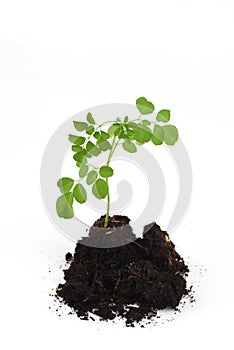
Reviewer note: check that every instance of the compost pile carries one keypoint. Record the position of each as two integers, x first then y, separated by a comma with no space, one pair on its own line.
131,281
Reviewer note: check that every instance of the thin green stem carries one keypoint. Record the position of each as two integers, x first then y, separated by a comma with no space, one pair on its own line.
108,206
113,147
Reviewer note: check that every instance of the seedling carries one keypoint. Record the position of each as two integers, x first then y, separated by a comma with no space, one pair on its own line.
92,139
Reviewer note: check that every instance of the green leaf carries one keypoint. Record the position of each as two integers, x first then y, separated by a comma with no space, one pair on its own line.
130,127
144,106
129,146
90,129
146,122
80,126
76,148
158,135
79,156
65,184
163,116
170,134
96,135
130,134
90,118
89,146
94,151
113,128
80,194
83,170
104,146
126,119
91,177
106,171
64,206
142,134
117,131
102,143
105,136
120,133
78,140
100,189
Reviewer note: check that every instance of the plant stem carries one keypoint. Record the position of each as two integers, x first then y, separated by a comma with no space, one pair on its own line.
112,150
108,206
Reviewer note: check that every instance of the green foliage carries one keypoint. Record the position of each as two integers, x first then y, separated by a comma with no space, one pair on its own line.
100,189
78,140
93,139
90,119
170,134
158,134
76,148
142,133
79,156
163,116
80,126
90,130
129,146
106,171
91,177
65,184
146,122
80,194
89,146
144,106
83,170
113,128
64,206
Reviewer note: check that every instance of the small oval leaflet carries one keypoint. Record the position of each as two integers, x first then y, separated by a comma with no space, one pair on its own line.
142,134
76,148
96,134
105,135
100,189
104,146
163,115
170,134
80,194
106,171
129,146
83,170
89,146
64,206
65,184
91,177
113,128
95,151
157,137
146,122
80,126
78,156
90,118
78,140
144,106
90,130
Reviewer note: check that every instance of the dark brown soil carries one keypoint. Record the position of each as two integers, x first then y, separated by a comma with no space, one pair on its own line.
131,281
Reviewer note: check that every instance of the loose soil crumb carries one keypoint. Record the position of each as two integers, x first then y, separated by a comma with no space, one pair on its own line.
131,281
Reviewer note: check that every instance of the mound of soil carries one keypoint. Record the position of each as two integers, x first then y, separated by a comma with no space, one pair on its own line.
131,281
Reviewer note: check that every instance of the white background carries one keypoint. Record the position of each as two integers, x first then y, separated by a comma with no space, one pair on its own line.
59,57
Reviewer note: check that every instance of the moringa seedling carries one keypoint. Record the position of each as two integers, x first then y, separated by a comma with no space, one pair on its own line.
92,139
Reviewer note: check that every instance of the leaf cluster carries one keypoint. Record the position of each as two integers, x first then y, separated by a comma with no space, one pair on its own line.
93,139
